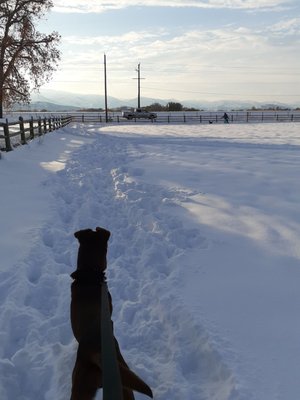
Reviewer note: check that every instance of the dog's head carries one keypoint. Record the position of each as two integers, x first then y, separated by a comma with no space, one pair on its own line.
92,248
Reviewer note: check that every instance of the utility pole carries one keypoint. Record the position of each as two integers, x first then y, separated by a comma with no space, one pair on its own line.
105,90
138,70
139,85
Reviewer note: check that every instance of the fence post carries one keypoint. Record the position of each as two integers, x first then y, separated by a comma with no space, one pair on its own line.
40,126
50,125
22,130
6,136
45,124
31,130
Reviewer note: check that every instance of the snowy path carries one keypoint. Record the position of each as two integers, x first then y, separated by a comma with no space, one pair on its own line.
158,336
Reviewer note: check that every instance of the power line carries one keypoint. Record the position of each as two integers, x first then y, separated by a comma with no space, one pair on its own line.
222,94
189,66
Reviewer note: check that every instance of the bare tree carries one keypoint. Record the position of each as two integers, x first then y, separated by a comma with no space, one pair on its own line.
27,57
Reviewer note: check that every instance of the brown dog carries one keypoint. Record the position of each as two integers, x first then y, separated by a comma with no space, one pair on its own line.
86,320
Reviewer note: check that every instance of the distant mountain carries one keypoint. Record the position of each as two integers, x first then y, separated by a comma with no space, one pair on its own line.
44,106
54,100
230,105
88,100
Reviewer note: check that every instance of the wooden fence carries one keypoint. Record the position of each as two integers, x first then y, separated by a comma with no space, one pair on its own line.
20,132
24,130
237,117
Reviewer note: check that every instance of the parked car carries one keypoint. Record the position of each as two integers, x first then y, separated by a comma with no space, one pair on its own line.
139,113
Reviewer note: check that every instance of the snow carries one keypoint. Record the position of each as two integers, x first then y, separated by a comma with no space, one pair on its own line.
203,262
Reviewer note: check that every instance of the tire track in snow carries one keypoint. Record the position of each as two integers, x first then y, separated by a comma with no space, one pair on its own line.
158,337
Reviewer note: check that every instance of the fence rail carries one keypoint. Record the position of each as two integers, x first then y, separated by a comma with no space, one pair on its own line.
20,132
196,117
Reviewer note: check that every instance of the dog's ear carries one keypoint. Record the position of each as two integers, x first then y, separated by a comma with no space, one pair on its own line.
80,234
105,234
89,233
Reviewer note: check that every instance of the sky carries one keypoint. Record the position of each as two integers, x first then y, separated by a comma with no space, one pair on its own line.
187,49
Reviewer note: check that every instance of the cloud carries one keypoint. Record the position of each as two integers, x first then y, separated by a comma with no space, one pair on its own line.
98,6
228,58
288,27
190,50
128,38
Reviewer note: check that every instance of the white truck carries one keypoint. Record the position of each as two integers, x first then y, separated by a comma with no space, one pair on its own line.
139,113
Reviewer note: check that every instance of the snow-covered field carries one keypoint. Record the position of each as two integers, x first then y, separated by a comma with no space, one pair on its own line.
203,259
